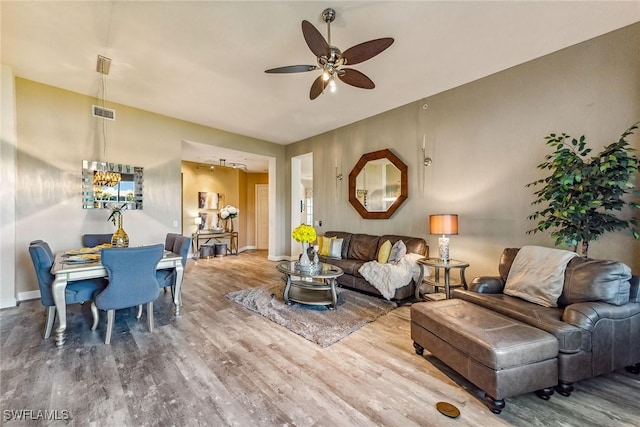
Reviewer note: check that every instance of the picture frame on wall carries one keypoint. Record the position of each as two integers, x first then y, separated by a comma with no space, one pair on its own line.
209,221
209,200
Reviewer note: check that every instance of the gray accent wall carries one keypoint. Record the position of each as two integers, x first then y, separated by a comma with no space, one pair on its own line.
486,139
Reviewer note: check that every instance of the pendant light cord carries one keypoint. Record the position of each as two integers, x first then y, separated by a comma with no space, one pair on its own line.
104,122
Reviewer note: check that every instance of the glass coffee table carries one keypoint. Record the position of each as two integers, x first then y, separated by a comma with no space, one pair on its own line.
310,288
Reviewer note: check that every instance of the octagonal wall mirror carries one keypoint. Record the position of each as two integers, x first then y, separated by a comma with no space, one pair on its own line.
378,185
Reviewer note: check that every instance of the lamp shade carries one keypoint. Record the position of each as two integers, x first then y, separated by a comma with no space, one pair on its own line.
197,220
443,224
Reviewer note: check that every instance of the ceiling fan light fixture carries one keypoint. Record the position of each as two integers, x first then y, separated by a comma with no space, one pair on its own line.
332,85
332,60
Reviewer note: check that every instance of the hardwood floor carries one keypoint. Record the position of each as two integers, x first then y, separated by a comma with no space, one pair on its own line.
219,364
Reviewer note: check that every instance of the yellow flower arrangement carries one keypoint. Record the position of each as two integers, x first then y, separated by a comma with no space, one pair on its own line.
304,233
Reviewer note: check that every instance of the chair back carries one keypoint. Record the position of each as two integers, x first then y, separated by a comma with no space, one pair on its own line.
91,240
181,247
132,276
170,240
42,258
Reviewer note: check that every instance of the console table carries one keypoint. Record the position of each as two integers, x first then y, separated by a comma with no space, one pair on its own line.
206,236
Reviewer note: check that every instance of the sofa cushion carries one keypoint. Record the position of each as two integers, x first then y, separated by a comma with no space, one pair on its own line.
348,266
590,280
346,238
571,339
363,247
506,259
325,245
414,245
335,249
537,274
383,252
398,250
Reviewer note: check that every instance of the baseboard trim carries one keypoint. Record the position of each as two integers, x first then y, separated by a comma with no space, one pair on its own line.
25,296
8,303
279,258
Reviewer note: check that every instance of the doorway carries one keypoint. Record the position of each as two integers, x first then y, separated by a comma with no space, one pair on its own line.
301,195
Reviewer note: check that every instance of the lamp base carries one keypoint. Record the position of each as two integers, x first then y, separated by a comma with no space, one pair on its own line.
443,248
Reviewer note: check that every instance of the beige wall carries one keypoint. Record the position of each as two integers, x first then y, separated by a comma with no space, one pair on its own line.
8,143
55,132
196,178
238,188
486,139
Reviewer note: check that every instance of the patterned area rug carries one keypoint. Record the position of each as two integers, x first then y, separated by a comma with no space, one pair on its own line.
315,323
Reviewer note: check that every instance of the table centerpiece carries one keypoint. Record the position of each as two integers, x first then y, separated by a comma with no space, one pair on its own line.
305,234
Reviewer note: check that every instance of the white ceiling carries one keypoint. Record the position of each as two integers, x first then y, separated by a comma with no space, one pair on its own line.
204,61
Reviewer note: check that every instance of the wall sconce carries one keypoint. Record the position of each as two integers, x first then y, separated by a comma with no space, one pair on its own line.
338,179
426,161
443,224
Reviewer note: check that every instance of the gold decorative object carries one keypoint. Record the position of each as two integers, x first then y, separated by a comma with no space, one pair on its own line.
108,179
120,239
228,225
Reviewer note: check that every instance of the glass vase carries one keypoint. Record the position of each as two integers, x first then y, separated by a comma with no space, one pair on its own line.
120,239
228,225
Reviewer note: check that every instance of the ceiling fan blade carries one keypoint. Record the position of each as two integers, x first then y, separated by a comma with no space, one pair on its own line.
317,87
355,78
314,39
292,69
367,50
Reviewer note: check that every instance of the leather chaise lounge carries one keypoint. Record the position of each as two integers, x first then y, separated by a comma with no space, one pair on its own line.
596,323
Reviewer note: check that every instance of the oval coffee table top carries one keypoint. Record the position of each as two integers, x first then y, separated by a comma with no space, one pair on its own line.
327,270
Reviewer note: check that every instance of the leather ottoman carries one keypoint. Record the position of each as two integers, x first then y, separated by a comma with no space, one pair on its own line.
501,356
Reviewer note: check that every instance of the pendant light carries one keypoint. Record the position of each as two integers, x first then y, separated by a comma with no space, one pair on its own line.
104,178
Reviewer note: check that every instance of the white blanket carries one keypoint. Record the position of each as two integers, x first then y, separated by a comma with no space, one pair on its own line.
386,278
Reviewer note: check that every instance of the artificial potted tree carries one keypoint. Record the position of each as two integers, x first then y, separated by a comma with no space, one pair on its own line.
583,196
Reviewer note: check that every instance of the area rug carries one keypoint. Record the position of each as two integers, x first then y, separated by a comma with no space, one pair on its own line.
315,323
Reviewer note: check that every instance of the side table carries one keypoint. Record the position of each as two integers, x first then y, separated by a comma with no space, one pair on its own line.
438,265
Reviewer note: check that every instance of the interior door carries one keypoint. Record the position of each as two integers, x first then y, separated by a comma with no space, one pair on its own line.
262,216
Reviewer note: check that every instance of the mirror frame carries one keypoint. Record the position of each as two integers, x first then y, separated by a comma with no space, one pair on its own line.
404,186
89,167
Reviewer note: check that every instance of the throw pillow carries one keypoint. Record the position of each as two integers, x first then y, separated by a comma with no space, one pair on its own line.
335,250
398,250
325,245
383,252
537,275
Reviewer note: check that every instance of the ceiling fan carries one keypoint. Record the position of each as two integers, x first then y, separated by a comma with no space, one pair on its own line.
332,61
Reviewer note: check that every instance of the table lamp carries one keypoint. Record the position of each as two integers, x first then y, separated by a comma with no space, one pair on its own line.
443,224
197,221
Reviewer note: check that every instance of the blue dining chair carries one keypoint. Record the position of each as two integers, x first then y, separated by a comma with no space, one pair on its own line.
132,282
167,277
91,240
77,291
170,240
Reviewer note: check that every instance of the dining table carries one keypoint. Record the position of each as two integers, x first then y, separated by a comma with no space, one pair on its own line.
66,271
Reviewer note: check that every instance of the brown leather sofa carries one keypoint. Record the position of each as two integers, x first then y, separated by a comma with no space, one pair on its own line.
360,248
596,323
